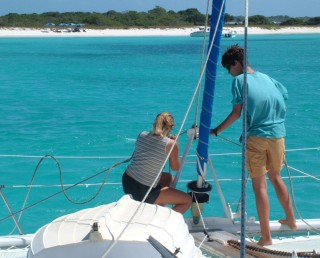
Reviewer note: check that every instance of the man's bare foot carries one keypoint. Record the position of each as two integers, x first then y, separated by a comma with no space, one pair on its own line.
263,242
291,224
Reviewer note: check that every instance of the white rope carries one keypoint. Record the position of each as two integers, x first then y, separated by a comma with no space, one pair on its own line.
202,220
179,132
199,167
201,217
201,243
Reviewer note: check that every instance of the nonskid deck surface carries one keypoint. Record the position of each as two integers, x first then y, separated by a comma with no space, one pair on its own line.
14,253
224,244
298,244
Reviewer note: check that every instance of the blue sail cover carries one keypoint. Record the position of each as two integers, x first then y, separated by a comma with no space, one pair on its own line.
211,71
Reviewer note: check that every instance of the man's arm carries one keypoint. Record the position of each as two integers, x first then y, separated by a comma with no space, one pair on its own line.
231,118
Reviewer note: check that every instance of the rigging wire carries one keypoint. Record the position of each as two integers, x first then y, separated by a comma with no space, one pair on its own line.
290,180
316,177
313,229
304,173
69,186
125,157
228,140
63,188
244,135
202,66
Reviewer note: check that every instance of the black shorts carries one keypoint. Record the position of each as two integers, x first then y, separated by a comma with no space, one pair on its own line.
138,190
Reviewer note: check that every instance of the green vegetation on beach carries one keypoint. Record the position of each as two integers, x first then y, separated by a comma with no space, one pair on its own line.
157,17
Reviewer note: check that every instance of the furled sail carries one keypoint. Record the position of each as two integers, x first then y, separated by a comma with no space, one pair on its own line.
216,26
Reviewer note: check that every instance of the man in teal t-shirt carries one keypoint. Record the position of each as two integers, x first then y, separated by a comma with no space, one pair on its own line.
266,111
265,104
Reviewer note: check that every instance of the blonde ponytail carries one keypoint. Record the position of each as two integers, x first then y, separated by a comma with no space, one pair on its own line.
163,124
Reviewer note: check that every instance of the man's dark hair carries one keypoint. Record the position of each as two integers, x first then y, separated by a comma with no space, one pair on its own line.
232,53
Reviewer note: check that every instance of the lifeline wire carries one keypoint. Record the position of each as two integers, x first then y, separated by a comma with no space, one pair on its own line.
24,207
294,202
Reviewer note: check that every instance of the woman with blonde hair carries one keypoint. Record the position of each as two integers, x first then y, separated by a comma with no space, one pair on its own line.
150,153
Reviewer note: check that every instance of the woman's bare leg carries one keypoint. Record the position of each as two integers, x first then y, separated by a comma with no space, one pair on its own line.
179,199
166,179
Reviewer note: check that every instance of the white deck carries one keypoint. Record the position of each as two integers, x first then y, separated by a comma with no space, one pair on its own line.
79,227
73,235
297,244
14,253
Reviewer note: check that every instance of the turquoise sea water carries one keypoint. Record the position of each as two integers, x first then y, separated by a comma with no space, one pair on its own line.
82,99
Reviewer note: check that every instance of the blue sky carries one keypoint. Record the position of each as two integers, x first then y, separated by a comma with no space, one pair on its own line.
293,8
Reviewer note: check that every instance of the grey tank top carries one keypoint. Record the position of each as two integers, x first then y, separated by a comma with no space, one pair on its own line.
148,158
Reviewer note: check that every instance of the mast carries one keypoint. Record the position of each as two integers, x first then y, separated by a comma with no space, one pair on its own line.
216,26
200,189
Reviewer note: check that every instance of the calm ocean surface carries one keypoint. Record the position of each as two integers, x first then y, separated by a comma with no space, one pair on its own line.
79,99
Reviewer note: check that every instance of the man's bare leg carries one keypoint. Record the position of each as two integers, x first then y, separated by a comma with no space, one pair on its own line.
284,198
263,207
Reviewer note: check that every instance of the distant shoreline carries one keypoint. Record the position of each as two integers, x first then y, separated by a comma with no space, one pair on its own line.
134,32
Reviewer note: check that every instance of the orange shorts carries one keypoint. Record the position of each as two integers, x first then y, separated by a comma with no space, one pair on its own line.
264,154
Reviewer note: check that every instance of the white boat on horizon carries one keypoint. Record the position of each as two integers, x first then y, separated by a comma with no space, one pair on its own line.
201,32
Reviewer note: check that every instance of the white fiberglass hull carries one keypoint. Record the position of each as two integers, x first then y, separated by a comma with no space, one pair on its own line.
115,233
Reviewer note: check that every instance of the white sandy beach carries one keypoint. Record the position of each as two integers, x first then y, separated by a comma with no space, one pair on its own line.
46,32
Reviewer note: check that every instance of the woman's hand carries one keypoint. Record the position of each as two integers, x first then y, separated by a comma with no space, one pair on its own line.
173,136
